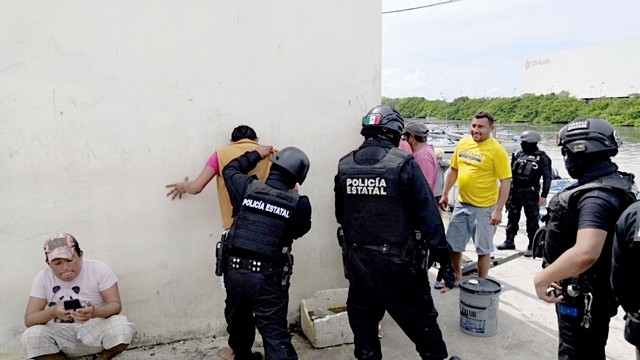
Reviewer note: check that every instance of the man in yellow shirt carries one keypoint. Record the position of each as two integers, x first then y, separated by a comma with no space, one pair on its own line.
483,171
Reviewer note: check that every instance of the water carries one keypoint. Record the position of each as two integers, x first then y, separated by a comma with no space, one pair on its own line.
627,158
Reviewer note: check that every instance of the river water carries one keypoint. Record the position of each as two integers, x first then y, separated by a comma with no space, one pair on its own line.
628,158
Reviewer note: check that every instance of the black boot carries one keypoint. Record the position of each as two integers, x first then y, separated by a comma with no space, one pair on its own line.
529,252
508,244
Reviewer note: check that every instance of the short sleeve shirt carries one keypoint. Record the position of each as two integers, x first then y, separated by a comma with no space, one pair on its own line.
480,165
95,276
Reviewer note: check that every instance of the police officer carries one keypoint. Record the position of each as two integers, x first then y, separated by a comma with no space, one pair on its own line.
579,236
527,167
268,216
387,212
624,271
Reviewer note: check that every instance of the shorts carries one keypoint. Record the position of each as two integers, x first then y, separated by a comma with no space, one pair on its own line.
468,221
77,340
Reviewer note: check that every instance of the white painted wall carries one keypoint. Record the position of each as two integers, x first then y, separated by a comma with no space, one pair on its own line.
104,103
606,70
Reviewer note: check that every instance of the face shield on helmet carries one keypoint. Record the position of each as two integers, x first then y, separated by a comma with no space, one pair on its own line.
294,161
588,137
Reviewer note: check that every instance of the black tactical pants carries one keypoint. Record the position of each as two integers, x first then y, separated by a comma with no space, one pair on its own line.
526,198
257,299
577,342
378,282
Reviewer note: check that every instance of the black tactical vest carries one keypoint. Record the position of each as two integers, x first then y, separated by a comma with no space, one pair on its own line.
374,212
525,169
562,228
259,225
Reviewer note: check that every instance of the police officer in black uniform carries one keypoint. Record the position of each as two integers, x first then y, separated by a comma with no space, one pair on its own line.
624,274
579,236
388,213
527,167
268,216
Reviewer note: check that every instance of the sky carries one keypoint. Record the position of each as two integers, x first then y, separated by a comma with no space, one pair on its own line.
477,48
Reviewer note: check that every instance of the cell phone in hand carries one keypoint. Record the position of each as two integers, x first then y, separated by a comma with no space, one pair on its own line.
72,304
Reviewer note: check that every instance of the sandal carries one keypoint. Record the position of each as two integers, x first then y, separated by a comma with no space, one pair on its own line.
441,285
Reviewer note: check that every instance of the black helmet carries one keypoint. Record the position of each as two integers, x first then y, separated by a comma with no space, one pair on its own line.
588,136
294,161
384,118
530,136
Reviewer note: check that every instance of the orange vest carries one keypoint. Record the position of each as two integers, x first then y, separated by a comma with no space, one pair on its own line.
225,155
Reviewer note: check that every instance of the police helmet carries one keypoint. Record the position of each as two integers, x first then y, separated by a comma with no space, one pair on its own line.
294,161
530,136
384,118
588,136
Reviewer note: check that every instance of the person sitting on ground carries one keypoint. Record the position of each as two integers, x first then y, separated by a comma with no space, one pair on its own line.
56,327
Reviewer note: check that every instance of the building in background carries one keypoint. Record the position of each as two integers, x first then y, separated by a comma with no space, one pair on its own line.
606,70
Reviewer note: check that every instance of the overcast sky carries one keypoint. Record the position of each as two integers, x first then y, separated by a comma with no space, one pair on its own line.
477,48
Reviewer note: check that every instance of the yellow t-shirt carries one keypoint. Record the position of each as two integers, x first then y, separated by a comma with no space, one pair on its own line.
480,166
225,155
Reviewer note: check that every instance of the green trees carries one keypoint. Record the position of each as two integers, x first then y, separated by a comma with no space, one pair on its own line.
537,109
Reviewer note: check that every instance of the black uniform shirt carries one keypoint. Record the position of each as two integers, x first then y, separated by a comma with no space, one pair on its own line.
626,259
237,182
415,193
545,171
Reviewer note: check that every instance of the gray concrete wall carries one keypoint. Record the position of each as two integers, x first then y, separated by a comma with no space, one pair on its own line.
104,103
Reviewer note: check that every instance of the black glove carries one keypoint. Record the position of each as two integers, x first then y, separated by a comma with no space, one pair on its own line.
632,328
447,274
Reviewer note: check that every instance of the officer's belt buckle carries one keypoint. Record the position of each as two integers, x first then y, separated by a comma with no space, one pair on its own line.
384,248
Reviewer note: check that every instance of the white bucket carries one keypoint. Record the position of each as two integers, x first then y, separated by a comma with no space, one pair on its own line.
479,299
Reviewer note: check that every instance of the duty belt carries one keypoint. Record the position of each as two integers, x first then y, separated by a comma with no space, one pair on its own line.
253,265
524,188
391,249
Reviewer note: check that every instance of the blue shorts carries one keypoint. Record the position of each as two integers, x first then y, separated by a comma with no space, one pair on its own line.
468,221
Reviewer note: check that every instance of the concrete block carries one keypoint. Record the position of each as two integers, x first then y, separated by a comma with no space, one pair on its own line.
321,329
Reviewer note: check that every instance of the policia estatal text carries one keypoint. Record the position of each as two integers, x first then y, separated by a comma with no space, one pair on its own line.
256,259
389,216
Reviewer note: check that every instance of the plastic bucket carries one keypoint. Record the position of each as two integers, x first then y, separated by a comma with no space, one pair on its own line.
479,299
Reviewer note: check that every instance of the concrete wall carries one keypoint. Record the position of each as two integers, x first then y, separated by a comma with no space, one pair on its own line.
606,70
104,103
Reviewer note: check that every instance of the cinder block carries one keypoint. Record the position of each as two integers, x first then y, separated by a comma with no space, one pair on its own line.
332,329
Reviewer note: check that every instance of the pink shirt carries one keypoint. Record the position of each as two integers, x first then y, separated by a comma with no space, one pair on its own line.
426,159
213,163
404,145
